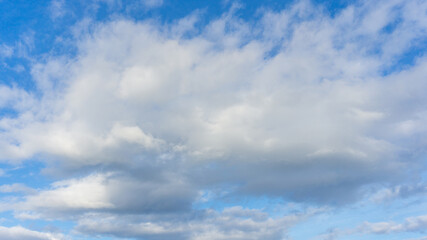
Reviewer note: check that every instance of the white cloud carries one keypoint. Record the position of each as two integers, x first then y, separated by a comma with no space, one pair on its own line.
20,233
132,134
144,118
15,98
316,117
416,224
412,224
5,51
16,187
57,9
88,193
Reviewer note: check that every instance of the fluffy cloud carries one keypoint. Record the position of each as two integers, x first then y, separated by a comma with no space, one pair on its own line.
319,104
108,192
113,204
300,106
316,117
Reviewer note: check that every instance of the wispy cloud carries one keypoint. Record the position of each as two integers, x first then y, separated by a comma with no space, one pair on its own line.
20,233
412,224
57,9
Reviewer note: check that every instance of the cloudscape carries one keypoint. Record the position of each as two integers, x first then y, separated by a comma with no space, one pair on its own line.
213,120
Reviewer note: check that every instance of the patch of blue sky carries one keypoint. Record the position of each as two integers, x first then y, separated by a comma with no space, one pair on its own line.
15,73
275,206
171,10
23,17
8,113
333,7
28,24
28,174
7,219
27,29
352,216
389,28
409,58
42,225
34,19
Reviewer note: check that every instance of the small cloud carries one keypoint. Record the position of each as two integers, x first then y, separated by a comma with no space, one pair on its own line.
56,9
16,187
411,224
152,3
400,191
6,51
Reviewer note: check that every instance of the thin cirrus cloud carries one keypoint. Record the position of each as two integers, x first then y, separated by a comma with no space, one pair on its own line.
299,106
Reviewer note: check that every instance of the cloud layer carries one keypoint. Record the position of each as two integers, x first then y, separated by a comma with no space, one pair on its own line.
300,106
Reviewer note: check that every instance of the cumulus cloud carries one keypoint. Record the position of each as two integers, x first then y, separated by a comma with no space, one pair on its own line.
300,106
112,204
316,117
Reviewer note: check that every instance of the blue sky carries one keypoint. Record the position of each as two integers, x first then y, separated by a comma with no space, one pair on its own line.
210,120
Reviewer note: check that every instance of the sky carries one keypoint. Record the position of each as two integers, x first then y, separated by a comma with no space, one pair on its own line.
213,120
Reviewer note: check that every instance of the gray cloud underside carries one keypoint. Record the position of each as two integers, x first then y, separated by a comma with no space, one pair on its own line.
233,223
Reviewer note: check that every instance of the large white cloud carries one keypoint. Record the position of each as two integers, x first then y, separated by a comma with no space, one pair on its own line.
318,114
301,105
